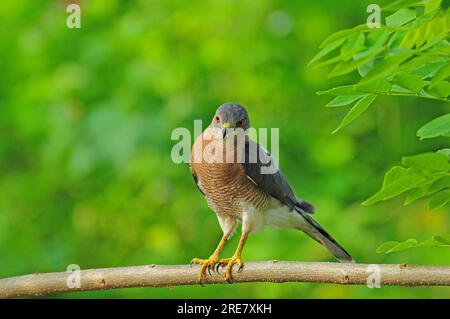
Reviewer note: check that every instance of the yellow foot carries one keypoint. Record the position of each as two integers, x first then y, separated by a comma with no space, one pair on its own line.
206,264
229,262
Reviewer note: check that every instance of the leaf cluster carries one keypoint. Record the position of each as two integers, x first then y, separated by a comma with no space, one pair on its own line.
408,56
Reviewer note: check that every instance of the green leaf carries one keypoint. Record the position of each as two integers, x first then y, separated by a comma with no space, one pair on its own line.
396,181
429,69
401,17
398,89
407,244
442,240
431,5
343,100
431,186
384,247
439,200
341,90
332,60
438,127
365,68
354,44
387,66
429,161
395,246
395,5
434,42
351,65
342,34
439,27
425,18
326,50
396,39
346,67
409,40
440,89
419,192
356,111
375,87
413,83
445,151
377,37
440,183
371,52
416,64
430,242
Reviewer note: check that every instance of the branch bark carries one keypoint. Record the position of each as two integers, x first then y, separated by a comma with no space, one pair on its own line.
263,271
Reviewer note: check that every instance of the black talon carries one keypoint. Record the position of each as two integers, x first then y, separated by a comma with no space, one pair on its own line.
217,267
209,269
240,269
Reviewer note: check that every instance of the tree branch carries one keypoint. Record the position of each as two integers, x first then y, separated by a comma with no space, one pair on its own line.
263,271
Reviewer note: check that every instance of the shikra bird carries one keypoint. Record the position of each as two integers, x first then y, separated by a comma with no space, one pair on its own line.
242,183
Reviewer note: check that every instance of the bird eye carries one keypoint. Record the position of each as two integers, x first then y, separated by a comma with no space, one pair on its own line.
240,122
217,118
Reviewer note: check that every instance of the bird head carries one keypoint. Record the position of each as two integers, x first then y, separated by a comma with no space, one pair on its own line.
231,116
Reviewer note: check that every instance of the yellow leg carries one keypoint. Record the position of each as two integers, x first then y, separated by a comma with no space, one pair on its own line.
236,259
208,264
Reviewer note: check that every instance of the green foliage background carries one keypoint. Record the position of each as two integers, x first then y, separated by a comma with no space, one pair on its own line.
86,116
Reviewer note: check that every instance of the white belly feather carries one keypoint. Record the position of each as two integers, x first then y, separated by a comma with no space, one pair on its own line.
277,215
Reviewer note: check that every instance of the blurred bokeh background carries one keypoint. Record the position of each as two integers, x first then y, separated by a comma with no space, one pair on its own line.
86,117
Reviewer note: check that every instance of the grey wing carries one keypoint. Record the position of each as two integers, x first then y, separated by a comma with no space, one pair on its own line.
194,175
262,170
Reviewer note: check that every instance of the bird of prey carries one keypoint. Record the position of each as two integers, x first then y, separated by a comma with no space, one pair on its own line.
238,189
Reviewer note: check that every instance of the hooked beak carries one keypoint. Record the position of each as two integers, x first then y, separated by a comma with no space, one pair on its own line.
225,126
